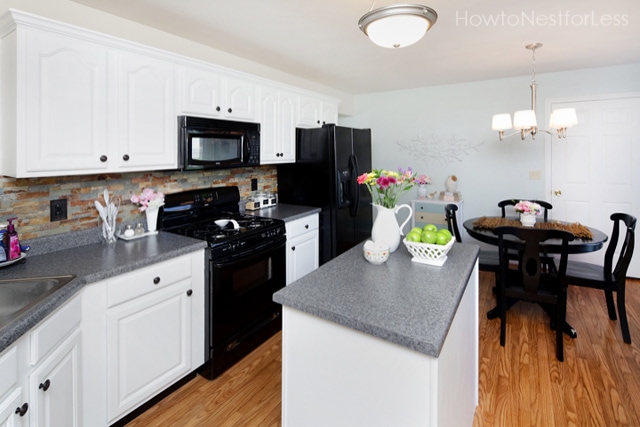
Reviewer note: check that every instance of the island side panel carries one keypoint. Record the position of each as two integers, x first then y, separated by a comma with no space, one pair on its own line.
458,368
336,376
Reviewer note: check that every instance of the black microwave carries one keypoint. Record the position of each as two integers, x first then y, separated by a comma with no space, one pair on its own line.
217,144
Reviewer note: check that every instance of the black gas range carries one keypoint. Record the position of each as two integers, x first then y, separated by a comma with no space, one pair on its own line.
245,266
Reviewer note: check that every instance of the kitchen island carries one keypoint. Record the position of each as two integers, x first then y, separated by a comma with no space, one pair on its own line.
382,345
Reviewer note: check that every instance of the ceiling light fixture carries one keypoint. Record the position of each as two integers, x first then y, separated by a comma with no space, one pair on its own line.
525,123
398,25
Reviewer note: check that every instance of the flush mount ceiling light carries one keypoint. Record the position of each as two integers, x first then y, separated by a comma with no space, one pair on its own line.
525,123
398,25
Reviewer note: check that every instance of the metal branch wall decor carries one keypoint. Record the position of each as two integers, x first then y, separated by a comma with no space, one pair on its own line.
441,149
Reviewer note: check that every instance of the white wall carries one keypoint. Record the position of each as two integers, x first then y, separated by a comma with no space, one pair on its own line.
494,170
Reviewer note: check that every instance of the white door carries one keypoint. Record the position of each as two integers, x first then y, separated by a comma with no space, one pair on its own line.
595,171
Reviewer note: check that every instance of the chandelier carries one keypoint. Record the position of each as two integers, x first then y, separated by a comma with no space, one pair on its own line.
398,25
524,121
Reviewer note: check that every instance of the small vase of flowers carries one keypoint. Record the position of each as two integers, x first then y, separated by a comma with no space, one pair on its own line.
528,212
422,181
150,202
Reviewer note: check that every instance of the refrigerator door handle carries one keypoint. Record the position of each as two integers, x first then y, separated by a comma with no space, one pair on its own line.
355,191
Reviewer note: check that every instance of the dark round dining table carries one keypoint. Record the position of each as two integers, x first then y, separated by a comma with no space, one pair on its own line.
551,246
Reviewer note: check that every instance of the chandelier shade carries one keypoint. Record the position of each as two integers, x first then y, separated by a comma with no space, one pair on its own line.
525,122
398,25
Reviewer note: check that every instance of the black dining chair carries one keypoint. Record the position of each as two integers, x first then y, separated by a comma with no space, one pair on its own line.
548,260
487,260
546,206
531,281
609,277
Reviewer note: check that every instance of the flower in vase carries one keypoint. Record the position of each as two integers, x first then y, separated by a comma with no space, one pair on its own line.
386,187
526,207
148,199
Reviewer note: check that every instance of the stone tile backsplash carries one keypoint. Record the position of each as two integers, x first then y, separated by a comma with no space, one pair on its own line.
28,198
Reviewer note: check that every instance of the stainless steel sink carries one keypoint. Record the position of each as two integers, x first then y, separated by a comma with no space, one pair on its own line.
19,295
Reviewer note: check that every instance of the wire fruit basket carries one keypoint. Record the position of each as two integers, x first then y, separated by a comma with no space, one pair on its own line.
427,253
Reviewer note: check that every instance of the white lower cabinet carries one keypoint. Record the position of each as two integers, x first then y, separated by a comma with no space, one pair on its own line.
40,382
145,332
302,247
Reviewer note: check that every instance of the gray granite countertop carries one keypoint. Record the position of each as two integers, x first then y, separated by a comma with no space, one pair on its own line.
285,212
400,301
90,262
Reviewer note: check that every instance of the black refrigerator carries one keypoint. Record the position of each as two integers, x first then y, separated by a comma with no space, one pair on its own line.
328,162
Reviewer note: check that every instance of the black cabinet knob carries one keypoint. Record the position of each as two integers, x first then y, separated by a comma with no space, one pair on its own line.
293,248
103,158
306,226
229,110
125,157
21,410
189,292
217,108
45,385
156,280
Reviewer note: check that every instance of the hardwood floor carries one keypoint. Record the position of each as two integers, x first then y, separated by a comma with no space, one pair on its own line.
521,384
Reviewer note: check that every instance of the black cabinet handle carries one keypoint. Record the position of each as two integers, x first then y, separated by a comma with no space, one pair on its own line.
189,292
156,280
306,226
229,110
103,158
293,248
217,108
21,410
45,385
125,157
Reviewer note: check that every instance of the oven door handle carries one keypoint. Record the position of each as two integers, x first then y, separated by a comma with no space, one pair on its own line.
254,256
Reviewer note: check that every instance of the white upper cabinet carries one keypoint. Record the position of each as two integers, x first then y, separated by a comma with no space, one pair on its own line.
208,93
146,113
77,102
278,117
72,105
55,104
315,112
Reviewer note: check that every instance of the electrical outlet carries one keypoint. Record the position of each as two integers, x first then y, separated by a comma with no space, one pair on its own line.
254,184
535,174
58,210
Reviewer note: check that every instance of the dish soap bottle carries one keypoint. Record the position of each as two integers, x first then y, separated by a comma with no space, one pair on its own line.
10,241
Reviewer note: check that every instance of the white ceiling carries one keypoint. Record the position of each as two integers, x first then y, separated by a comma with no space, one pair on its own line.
319,40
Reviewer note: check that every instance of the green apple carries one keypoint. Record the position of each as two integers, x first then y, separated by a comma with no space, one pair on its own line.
414,236
418,229
430,227
445,231
442,239
429,236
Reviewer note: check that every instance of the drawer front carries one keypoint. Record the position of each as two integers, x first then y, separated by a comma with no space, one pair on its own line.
423,218
301,225
8,370
148,279
49,333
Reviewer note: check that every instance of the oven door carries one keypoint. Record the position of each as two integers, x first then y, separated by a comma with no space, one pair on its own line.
241,312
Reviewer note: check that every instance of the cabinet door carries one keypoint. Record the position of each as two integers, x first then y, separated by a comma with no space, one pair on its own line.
148,346
201,92
302,256
8,415
329,113
288,117
310,112
269,147
239,99
146,113
54,387
65,124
